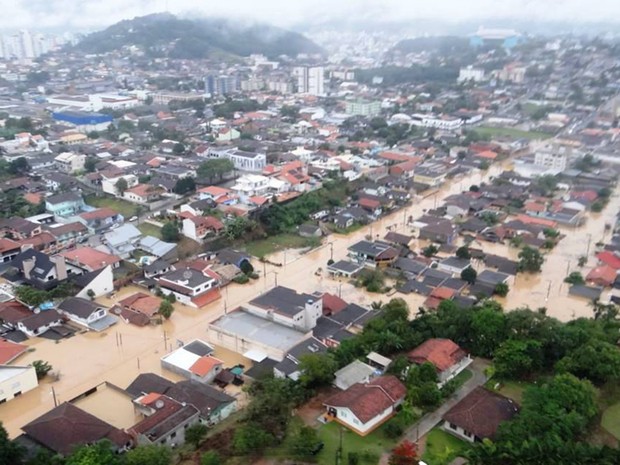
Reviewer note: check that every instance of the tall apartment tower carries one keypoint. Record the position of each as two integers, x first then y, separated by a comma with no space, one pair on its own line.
310,79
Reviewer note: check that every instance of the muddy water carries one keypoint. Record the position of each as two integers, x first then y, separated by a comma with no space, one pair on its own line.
120,353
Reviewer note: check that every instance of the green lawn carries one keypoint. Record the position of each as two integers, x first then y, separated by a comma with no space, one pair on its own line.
511,389
442,448
349,230
267,246
124,208
149,229
462,378
511,132
611,420
369,447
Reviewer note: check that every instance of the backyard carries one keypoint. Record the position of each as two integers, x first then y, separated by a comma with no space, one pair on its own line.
511,389
441,448
264,247
611,420
124,208
510,132
149,229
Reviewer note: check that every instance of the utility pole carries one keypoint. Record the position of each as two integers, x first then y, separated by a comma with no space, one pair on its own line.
548,291
588,247
165,341
331,250
275,274
54,396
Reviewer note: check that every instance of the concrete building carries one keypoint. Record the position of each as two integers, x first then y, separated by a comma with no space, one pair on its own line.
69,162
243,161
363,108
16,380
310,80
66,204
553,158
469,73
191,287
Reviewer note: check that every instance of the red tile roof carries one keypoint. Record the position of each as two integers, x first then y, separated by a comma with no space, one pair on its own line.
602,275
206,298
204,365
367,401
99,214
91,258
609,259
333,304
9,351
443,353
365,202
142,303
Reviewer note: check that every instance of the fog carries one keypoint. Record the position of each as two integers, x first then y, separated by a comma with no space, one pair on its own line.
95,14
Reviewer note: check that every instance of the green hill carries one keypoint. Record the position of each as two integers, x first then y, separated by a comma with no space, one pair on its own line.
164,34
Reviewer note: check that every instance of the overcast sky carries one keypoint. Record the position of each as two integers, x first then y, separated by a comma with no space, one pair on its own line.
95,14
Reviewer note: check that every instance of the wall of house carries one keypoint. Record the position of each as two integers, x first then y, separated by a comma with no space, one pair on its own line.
173,438
18,384
189,229
103,284
181,298
223,413
348,418
39,330
457,431
454,370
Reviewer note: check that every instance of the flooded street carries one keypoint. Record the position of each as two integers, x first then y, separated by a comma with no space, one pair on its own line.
118,354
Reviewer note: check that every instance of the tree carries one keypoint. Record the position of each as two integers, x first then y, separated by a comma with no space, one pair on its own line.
195,434
597,206
95,454
184,185
41,368
304,442
90,165
317,369
489,330
463,253
597,360
501,289
469,275
215,168
93,135
121,185
430,250
515,359
178,148
91,294
19,166
530,260
166,309
238,227
170,232
474,188
10,452
575,278
581,262
210,457
152,454
406,453
250,439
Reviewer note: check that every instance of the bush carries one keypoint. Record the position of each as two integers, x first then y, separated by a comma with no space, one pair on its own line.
241,279
393,429
253,275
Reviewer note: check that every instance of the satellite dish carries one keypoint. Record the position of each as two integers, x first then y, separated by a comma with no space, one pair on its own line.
187,274
159,404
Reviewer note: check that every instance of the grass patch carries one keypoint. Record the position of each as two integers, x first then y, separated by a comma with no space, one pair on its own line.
511,132
442,448
149,229
354,227
369,447
462,378
264,247
126,209
511,389
611,420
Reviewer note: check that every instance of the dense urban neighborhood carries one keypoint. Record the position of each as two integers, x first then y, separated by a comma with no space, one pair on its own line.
229,246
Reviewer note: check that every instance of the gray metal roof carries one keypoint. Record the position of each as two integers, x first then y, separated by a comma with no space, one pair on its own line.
283,300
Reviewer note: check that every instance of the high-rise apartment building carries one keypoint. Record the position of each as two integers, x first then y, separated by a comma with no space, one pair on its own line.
310,79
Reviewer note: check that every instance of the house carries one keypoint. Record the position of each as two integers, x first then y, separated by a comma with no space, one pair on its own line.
398,239
194,361
158,248
439,230
453,265
287,307
19,229
15,315
447,358
9,351
309,230
242,160
479,415
233,257
122,241
609,258
200,227
602,276
16,380
65,204
78,428
378,361
344,268
165,420
40,270
143,194
289,367
139,308
353,373
158,267
100,219
95,283
363,407
89,259
9,249
191,287
68,234
493,278
69,162
374,254
86,313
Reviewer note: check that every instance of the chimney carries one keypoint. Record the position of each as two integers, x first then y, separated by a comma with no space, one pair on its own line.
61,267
28,266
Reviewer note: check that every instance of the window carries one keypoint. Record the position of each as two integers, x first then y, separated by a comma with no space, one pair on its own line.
453,426
173,435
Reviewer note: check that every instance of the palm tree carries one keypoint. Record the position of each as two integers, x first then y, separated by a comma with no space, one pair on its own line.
377,305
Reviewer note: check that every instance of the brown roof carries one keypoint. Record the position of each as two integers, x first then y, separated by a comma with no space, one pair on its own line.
366,401
8,244
481,412
333,304
99,214
204,365
91,258
443,353
10,351
67,426
142,303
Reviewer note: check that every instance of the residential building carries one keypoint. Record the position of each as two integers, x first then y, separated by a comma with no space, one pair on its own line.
69,162
16,380
365,108
447,358
15,315
364,407
553,158
86,313
242,160
446,123
469,73
200,227
40,270
194,361
191,287
122,241
143,193
140,309
353,373
310,80
108,182
66,204
89,259
374,254
100,219
289,367
479,415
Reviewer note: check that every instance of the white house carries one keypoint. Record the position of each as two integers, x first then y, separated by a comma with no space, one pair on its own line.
86,313
108,185
243,161
16,380
69,162
191,287
364,407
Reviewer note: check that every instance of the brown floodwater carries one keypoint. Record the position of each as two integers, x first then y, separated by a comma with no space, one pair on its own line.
120,353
